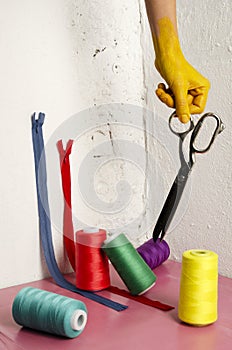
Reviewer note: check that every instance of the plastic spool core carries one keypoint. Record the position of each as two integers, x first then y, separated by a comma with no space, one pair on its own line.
111,238
78,320
146,290
91,230
200,253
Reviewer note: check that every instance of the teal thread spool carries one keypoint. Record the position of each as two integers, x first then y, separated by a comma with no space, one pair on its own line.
136,274
49,312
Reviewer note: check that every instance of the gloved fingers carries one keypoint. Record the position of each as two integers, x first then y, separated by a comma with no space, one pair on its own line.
192,103
166,89
190,99
195,92
199,100
165,95
181,102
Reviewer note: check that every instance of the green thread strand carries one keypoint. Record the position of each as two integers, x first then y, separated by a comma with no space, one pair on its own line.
48,312
136,274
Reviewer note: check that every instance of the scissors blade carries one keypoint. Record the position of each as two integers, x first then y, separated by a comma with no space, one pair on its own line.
171,203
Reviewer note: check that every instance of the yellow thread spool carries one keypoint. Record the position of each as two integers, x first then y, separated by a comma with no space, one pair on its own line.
198,287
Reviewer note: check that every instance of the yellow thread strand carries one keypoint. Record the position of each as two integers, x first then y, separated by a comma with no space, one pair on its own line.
198,287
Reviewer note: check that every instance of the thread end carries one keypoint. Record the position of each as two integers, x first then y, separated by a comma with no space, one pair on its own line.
78,320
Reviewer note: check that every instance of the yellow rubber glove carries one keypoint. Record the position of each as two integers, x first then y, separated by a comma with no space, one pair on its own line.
187,89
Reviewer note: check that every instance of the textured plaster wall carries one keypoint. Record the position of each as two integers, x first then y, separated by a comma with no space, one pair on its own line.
62,57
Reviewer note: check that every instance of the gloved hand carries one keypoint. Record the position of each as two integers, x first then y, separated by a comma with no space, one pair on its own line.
187,89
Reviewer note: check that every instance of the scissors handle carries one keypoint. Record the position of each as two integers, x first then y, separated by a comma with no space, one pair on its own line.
171,203
179,128
219,127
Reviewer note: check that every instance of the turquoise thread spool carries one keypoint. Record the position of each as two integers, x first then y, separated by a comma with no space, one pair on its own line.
49,312
136,274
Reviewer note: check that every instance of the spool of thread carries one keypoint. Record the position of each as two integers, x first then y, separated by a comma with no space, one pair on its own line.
198,287
133,270
49,312
92,266
154,253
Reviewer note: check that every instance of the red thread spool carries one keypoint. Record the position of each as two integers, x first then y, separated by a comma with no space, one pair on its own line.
92,266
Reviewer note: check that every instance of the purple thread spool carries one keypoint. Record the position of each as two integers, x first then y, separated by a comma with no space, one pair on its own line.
154,253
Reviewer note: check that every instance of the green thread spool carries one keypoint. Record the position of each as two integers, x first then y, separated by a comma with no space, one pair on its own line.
49,312
136,274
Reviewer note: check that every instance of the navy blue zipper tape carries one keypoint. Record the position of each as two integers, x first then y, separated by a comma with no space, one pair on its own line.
44,218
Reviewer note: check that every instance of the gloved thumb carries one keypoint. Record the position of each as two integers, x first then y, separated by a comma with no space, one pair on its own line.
181,103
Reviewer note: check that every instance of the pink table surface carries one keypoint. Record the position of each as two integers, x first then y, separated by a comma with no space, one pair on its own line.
138,327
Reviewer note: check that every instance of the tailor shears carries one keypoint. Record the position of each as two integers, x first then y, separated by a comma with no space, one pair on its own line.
175,193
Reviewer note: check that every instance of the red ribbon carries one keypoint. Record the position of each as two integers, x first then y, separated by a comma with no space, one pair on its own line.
68,231
141,299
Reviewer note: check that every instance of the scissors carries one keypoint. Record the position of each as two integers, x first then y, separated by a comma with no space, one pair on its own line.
180,181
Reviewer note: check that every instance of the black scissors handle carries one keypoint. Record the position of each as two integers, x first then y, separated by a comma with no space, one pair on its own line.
171,203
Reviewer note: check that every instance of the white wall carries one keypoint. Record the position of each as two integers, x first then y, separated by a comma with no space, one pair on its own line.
48,64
